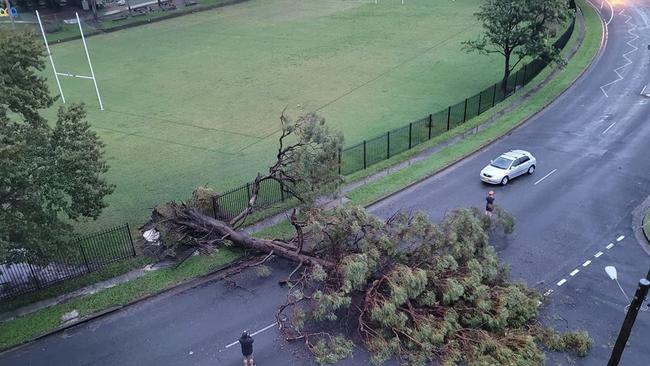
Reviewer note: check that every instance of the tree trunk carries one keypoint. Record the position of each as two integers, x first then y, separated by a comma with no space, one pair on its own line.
204,226
506,74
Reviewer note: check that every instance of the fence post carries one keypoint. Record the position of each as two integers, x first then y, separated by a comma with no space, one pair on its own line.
465,111
340,153
83,255
364,155
430,125
494,94
128,230
448,117
38,284
388,145
214,206
525,69
410,134
480,97
282,192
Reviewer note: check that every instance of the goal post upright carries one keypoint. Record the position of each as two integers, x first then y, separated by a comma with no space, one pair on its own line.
57,73
47,47
92,72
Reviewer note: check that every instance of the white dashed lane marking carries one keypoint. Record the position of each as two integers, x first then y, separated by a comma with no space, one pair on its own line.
607,129
274,324
546,176
585,264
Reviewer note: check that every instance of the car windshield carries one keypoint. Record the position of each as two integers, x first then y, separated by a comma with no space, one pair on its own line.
501,162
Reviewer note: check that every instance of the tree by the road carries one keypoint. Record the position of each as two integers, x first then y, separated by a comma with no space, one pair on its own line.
519,30
50,175
404,288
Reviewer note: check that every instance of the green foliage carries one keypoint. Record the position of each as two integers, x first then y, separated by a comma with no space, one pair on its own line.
50,175
263,271
23,89
332,350
314,159
578,342
328,304
519,29
421,292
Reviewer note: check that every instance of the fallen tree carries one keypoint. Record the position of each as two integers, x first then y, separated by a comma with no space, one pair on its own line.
404,287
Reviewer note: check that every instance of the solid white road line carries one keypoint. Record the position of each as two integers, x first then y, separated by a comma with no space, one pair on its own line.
575,272
610,126
562,281
598,254
585,264
620,238
274,324
612,13
609,246
546,176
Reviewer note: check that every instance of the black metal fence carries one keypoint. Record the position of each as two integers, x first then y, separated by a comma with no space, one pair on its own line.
91,253
368,152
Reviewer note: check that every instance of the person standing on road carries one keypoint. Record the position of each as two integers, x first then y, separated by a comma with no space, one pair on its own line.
489,204
246,342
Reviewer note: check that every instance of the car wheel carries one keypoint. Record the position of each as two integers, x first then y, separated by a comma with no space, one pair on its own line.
531,170
505,181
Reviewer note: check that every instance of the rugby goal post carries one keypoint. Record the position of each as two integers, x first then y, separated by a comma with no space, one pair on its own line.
57,74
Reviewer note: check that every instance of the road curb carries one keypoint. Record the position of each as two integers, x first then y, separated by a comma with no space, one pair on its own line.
644,221
176,288
521,123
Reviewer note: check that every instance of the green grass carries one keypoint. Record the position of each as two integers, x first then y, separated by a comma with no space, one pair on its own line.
196,99
429,166
25,328
73,284
382,187
647,223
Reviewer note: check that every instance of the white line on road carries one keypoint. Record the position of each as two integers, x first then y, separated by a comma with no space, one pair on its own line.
585,264
546,176
620,238
612,13
609,246
610,126
274,324
598,254
550,291
575,272
562,281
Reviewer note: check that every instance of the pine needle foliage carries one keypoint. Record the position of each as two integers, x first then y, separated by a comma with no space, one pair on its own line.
417,291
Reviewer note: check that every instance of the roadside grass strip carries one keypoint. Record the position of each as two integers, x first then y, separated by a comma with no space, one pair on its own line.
28,327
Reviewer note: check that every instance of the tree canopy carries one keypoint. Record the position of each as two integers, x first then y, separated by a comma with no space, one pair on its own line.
402,288
519,30
50,174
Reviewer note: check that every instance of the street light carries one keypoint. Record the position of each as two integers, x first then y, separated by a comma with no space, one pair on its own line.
630,317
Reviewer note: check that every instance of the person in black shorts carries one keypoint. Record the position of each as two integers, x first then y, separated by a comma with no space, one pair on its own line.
246,342
489,203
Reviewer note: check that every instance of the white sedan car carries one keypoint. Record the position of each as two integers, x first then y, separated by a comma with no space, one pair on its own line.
508,166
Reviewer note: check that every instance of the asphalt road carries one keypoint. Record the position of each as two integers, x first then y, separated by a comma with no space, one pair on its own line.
593,171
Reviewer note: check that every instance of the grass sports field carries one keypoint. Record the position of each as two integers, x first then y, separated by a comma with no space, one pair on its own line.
196,100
